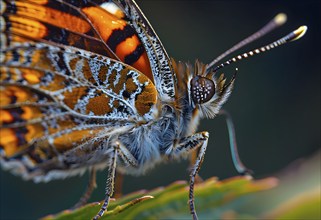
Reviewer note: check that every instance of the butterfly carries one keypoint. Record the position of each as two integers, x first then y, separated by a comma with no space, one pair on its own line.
88,85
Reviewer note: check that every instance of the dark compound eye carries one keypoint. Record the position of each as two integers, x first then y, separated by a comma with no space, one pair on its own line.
202,89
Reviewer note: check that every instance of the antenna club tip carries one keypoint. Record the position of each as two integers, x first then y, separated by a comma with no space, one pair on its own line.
300,32
280,18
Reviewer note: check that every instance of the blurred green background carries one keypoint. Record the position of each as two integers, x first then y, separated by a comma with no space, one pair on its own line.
275,104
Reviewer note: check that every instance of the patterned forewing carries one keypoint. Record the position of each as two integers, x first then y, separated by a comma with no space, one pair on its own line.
89,25
54,100
49,21
117,29
79,80
69,82
161,65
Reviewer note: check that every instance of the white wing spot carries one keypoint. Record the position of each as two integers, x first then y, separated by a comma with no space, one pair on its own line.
110,7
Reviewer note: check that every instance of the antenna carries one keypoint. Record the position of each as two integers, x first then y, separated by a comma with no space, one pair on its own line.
294,35
277,21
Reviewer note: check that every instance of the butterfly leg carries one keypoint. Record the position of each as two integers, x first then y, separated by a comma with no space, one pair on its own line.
90,188
129,159
120,151
109,184
191,143
192,161
239,166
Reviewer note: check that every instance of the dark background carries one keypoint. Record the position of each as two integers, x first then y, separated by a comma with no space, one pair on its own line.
275,104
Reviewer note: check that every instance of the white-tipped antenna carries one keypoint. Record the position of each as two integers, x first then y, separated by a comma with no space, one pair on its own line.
277,21
294,35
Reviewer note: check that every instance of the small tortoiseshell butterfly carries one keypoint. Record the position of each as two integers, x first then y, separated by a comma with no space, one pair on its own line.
87,85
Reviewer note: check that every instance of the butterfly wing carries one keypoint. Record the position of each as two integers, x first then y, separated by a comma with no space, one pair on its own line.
58,100
160,62
53,22
117,29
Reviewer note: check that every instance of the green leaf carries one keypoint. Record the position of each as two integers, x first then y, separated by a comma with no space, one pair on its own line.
171,201
297,196
303,206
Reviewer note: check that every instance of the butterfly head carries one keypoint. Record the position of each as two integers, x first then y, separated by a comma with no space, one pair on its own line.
207,91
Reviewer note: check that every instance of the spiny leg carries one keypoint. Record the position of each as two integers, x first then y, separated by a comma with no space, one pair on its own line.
192,161
109,184
194,172
191,143
129,159
90,188
239,166
126,155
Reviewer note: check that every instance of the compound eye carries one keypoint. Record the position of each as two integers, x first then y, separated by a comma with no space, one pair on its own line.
202,89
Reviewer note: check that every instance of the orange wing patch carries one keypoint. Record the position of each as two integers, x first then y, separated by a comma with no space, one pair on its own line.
92,28
103,21
17,95
70,140
9,141
121,38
